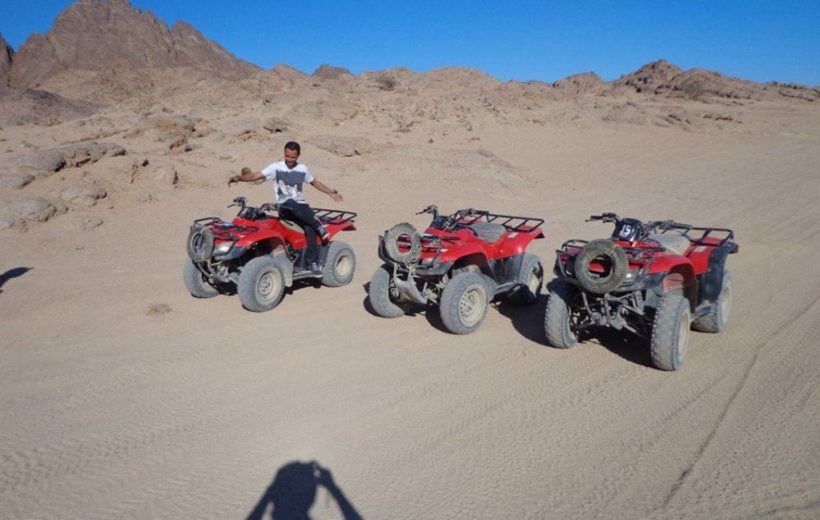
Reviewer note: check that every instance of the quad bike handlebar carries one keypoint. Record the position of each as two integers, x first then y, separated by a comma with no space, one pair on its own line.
250,212
604,217
431,209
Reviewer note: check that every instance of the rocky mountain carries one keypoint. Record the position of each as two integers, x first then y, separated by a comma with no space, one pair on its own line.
662,78
97,35
5,61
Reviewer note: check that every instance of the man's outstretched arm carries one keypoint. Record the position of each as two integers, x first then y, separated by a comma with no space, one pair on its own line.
246,176
334,194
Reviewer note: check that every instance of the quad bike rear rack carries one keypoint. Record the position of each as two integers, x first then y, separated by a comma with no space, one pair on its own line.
511,222
333,216
706,233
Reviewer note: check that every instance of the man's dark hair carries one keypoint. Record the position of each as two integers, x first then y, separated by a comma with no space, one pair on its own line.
293,145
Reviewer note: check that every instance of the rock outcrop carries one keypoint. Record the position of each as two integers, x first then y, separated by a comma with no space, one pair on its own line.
98,35
6,53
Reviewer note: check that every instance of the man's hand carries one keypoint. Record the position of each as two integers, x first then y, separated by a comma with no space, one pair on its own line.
244,174
336,196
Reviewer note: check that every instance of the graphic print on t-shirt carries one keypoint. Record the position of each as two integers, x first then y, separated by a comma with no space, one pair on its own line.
288,182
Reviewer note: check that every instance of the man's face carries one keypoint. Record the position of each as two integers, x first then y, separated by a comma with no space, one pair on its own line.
290,157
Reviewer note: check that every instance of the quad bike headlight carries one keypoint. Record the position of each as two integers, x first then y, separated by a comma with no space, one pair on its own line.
633,275
223,248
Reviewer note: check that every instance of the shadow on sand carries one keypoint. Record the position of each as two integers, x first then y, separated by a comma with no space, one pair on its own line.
293,491
12,273
527,320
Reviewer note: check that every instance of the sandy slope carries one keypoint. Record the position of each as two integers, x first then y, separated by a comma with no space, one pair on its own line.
113,408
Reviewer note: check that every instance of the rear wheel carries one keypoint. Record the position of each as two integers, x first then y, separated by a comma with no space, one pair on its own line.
717,320
560,317
261,284
339,265
670,333
379,294
530,279
196,283
464,303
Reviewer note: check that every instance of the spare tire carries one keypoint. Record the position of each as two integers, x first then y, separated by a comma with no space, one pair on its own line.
200,243
609,253
410,255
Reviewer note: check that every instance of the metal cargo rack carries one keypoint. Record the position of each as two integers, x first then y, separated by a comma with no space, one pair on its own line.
511,222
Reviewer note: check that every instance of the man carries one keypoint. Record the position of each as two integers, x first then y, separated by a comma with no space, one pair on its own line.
288,176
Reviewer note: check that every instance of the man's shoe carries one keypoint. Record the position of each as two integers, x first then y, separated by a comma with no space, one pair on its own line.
315,269
324,235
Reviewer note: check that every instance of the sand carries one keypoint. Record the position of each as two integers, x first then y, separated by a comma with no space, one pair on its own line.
124,397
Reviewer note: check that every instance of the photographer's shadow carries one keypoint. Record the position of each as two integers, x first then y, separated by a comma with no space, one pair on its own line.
293,491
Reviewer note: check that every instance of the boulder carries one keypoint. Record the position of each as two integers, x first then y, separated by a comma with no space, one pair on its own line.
344,146
34,209
275,125
16,181
84,195
165,174
83,222
46,161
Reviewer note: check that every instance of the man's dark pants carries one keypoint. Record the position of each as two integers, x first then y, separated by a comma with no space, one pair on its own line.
304,216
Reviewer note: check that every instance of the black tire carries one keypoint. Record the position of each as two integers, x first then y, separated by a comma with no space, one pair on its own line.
670,333
717,320
200,244
530,279
378,292
464,303
196,283
558,315
391,244
261,284
340,264
613,253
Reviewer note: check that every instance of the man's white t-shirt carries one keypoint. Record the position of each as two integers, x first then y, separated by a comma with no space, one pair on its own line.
288,181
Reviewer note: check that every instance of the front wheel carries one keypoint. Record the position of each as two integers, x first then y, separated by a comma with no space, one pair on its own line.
670,333
717,320
559,326
196,283
261,284
379,294
340,264
529,281
464,302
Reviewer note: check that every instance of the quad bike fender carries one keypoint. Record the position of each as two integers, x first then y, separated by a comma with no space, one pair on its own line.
679,280
336,228
281,259
516,243
463,255
711,282
473,261
262,236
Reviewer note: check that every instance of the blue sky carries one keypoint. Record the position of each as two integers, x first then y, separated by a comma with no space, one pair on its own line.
517,39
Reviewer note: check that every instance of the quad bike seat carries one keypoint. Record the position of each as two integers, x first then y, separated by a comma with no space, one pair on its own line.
488,232
677,244
291,225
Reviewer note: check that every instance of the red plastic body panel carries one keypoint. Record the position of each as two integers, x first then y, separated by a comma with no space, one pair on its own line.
249,232
693,263
463,242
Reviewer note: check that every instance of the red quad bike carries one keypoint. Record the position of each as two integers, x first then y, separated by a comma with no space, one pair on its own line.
654,279
260,254
460,263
